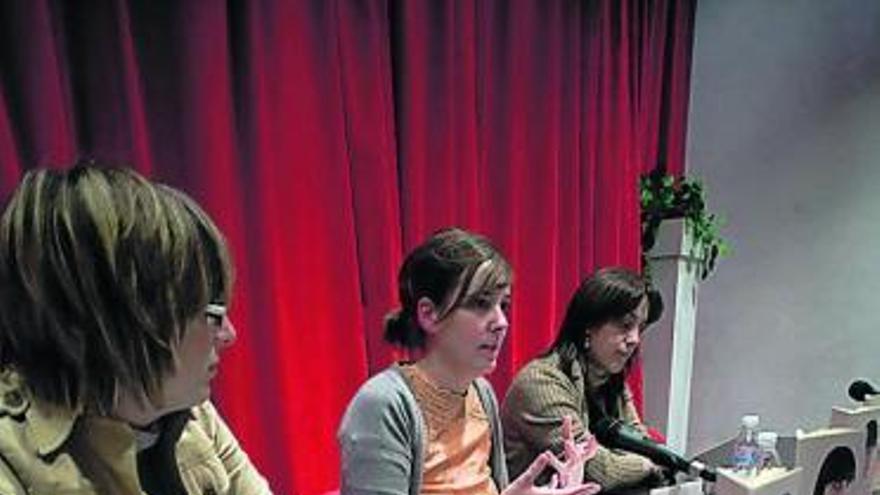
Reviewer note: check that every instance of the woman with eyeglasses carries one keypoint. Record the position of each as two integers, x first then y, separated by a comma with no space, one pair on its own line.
583,376
430,426
113,294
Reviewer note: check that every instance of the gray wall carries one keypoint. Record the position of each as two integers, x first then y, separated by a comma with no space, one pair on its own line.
785,130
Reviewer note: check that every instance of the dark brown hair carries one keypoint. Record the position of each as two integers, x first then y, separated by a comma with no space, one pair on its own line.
609,294
443,269
839,466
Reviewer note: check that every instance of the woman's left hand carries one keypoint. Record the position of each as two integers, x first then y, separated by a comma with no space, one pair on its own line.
525,484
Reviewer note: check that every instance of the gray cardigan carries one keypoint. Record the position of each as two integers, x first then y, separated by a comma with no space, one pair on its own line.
382,432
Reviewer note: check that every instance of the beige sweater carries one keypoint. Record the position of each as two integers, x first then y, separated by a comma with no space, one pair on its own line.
46,449
539,397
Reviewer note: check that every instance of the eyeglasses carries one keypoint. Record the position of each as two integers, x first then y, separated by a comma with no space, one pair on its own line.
215,313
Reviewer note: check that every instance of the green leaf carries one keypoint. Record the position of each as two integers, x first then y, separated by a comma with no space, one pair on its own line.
663,195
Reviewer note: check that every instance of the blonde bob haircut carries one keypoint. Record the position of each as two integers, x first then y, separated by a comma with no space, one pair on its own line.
100,272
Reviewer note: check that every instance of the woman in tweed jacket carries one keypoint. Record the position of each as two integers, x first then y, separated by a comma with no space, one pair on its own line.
583,376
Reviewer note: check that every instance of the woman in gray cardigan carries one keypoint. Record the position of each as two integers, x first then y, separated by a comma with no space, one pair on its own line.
431,425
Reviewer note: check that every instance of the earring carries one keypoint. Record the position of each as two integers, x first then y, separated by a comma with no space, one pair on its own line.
587,344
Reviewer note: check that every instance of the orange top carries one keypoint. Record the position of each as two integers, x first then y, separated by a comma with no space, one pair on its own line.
459,439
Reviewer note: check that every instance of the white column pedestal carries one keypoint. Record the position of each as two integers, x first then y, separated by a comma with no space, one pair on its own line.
668,346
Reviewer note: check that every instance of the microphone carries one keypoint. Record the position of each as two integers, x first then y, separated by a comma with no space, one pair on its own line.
616,434
859,390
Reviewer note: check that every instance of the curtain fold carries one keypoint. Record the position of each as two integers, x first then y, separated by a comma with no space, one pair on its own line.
327,138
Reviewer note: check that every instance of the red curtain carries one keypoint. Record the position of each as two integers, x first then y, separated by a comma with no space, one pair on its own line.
329,137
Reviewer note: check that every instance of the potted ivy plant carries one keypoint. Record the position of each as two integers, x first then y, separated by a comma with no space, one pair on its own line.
665,197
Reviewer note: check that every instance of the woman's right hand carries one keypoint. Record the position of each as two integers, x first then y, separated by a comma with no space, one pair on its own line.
571,471
525,484
656,475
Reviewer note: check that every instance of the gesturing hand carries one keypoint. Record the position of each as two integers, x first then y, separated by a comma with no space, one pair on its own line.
525,484
571,471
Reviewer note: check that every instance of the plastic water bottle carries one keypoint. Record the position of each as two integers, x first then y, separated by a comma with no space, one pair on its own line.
746,452
769,454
